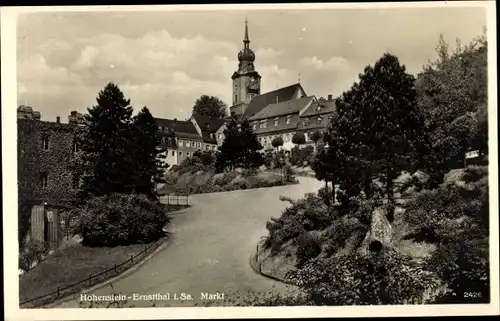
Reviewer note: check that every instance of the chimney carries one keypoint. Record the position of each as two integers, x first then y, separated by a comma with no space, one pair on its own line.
175,119
330,97
58,119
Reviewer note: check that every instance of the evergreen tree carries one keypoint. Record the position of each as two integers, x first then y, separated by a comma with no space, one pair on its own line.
240,147
210,106
149,167
106,159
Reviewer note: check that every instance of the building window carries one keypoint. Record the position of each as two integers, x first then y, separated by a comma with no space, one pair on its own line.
287,138
207,147
160,128
318,121
163,140
75,183
173,153
188,143
45,142
220,136
181,142
188,154
199,144
276,122
44,178
235,97
211,135
318,108
288,120
180,154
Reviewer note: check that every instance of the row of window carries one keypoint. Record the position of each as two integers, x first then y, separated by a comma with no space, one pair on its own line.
286,137
305,121
45,142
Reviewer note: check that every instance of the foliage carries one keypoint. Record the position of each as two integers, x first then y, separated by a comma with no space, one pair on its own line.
210,106
240,147
115,143
120,219
452,211
379,129
299,156
33,252
452,94
307,213
277,142
316,136
148,160
308,247
359,280
299,139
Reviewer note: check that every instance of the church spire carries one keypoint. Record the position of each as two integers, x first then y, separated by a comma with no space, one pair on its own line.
246,40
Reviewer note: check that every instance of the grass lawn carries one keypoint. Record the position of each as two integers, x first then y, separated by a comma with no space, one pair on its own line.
74,264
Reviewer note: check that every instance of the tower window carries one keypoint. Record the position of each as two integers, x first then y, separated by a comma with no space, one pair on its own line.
44,180
45,142
235,97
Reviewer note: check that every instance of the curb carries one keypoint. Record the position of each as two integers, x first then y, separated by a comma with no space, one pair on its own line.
254,266
128,271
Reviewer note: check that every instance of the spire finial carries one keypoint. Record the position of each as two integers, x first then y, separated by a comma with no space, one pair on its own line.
246,40
299,78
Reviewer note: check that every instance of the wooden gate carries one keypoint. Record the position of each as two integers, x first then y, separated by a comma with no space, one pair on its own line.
45,225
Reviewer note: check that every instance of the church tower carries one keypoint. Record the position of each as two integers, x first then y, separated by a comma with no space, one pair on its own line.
246,81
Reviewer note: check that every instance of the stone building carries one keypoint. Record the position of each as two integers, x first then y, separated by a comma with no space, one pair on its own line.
46,183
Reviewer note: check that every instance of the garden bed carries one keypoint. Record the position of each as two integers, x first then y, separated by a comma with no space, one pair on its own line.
76,263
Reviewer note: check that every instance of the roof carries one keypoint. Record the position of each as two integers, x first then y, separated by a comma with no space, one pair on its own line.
282,109
327,107
183,129
209,124
282,125
260,102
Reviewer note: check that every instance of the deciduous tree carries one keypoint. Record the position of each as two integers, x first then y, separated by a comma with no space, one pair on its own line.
210,106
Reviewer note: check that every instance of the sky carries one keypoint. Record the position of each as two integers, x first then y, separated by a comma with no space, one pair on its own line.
165,60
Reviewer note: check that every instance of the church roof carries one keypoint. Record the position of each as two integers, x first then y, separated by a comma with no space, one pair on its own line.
260,102
283,108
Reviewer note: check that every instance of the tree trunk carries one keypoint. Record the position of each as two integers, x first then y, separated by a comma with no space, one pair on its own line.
327,199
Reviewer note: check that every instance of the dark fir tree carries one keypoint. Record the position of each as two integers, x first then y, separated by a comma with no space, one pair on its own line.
210,106
385,121
106,159
148,159
239,148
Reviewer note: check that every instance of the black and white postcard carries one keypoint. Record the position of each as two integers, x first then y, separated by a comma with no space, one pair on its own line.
319,160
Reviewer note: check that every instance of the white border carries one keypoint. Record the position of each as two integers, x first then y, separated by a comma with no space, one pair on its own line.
9,153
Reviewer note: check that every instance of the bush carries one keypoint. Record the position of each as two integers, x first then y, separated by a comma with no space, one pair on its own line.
300,156
120,219
33,252
309,212
308,248
359,280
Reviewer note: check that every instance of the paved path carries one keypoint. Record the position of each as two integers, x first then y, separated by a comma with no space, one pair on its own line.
210,247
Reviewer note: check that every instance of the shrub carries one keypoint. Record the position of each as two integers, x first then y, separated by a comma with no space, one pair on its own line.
308,248
299,156
358,280
120,219
33,252
309,210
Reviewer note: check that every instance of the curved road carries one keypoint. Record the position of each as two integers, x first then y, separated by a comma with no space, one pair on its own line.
210,247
